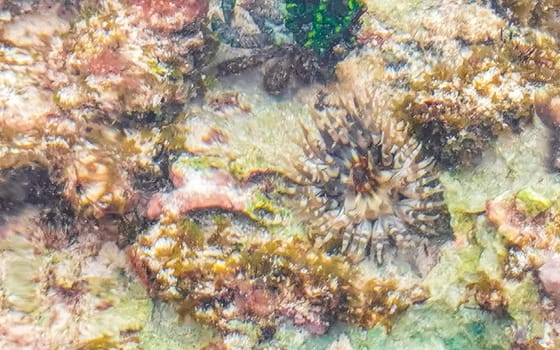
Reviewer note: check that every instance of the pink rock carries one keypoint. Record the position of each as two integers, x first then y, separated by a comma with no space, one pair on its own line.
200,189
549,274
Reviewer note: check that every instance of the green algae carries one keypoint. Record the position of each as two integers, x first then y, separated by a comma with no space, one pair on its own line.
192,233
476,253
199,163
513,168
432,327
267,211
533,202
320,25
516,163
523,306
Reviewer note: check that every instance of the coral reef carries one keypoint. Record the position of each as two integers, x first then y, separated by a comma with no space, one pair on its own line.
127,165
72,72
316,27
198,188
224,274
505,225
458,86
82,291
540,14
246,264
367,180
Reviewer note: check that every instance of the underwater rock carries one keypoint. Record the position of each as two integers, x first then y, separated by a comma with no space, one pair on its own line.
537,14
549,275
247,23
70,74
323,33
171,16
224,275
547,108
199,189
282,65
458,86
78,295
223,268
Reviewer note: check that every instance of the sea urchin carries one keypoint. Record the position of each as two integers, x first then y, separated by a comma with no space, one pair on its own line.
366,182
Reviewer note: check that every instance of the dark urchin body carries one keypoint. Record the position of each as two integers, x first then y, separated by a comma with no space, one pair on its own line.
366,181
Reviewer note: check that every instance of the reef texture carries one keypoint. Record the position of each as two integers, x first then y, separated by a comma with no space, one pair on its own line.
115,180
368,181
227,276
70,73
458,86
58,294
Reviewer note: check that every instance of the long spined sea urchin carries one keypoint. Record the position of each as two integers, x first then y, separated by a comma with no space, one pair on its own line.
366,181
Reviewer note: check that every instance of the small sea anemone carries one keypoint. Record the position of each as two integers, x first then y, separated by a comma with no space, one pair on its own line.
367,182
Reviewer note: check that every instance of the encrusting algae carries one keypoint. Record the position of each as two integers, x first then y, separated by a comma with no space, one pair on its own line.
69,76
223,274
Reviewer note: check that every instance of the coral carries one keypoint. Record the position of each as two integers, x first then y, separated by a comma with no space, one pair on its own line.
135,63
200,186
539,14
221,276
516,226
95,184
83,85
96,114
505,222
171,16
548,275
489,294
367,180
458,86
248,276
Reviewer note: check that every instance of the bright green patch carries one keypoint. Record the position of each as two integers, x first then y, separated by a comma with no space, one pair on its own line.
320,25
